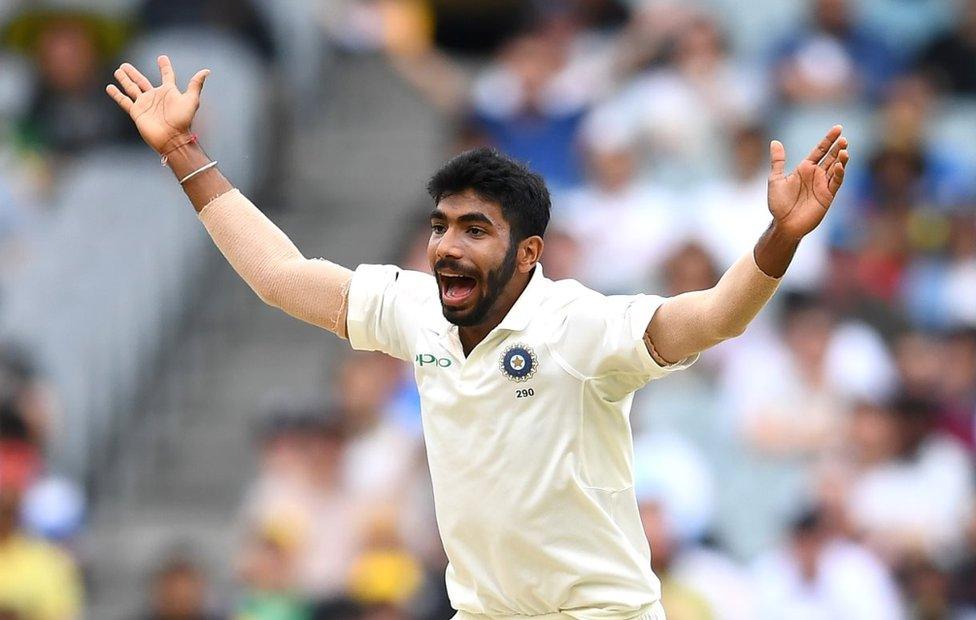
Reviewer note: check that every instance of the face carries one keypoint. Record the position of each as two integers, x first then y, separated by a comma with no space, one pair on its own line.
181,593
365,383
67,56
473,258
615,169
832,15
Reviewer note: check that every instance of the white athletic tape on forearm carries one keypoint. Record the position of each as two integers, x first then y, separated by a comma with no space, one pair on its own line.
313,290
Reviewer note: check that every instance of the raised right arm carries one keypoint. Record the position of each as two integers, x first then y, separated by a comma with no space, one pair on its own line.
313,290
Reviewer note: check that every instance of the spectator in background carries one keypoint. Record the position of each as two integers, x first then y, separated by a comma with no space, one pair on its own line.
685,601
731,211
685,404
38,581
927,588
791,416
71,51
797,412
817,574
960,281
950,60
920,360
299,512
913,492
266,570
648,37
689,267
529,104
380,456
682,110
30,394
21,458
832,59
956,386
530,101
676,491
242,19
178,590
386,576
563,253
616,218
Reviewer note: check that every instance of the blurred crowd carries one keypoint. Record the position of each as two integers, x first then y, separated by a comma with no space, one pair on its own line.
820,466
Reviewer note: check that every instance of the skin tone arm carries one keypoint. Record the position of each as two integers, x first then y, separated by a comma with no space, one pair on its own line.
692,322
313,290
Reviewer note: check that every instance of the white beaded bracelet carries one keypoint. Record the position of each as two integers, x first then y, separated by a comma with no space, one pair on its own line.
198,171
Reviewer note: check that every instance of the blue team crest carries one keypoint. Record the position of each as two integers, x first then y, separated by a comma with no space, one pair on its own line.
519,363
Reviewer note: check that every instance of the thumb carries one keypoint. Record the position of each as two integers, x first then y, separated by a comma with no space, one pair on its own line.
777,159
196,82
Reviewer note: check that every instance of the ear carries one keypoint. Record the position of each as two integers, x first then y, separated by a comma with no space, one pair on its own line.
529,253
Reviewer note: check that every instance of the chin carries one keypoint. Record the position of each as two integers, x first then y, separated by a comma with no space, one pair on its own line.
461,318
464,317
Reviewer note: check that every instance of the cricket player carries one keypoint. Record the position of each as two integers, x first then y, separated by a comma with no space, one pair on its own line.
526,384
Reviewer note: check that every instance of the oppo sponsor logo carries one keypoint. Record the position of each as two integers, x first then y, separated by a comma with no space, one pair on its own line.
427,359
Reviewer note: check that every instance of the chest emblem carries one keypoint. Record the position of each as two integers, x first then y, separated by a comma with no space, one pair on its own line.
519,363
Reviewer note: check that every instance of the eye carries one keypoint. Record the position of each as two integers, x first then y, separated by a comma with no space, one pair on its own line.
438,229
474,231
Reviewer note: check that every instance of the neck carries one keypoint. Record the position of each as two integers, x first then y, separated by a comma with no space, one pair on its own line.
472,335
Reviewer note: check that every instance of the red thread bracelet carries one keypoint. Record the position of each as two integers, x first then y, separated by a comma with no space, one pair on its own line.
165,157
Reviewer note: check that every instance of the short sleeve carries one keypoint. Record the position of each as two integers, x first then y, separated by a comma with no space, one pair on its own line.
387,305
604,341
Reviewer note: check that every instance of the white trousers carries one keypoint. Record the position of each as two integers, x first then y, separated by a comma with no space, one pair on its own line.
656,612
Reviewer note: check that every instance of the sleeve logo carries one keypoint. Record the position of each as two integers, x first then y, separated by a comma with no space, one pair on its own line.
519,363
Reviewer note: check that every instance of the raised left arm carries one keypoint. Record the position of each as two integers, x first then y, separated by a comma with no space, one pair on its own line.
691,322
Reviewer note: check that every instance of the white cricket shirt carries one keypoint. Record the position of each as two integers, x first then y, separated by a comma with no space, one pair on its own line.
528,440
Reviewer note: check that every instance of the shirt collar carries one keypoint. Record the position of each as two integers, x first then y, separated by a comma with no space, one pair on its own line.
527,304
522,310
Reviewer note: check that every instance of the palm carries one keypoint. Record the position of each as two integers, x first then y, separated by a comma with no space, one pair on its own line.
162,114
799,201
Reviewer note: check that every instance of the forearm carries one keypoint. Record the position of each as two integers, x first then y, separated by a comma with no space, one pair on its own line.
314,291
692,322
202,188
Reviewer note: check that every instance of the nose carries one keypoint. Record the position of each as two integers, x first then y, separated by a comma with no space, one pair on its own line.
448,246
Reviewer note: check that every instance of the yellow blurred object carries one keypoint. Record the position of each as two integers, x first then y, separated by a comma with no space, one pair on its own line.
38,580
928,229
284,533
385,576
408,26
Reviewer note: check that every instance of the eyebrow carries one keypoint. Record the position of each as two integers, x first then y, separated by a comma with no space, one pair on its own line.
467,218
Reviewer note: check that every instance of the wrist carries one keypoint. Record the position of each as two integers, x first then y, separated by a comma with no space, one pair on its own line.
185,159
775,250
782,234
175,142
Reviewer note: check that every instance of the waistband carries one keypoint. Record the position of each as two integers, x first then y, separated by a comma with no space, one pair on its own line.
652,612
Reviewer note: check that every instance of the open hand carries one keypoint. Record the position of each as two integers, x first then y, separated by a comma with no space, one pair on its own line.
799,201
162,114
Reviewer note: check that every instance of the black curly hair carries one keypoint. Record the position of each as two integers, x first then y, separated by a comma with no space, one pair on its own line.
522,194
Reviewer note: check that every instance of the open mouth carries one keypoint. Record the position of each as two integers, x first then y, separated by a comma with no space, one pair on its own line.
456,289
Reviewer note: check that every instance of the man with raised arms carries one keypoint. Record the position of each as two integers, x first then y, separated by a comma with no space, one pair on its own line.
526,384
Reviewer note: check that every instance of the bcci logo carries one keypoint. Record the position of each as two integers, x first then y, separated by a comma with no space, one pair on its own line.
519,363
